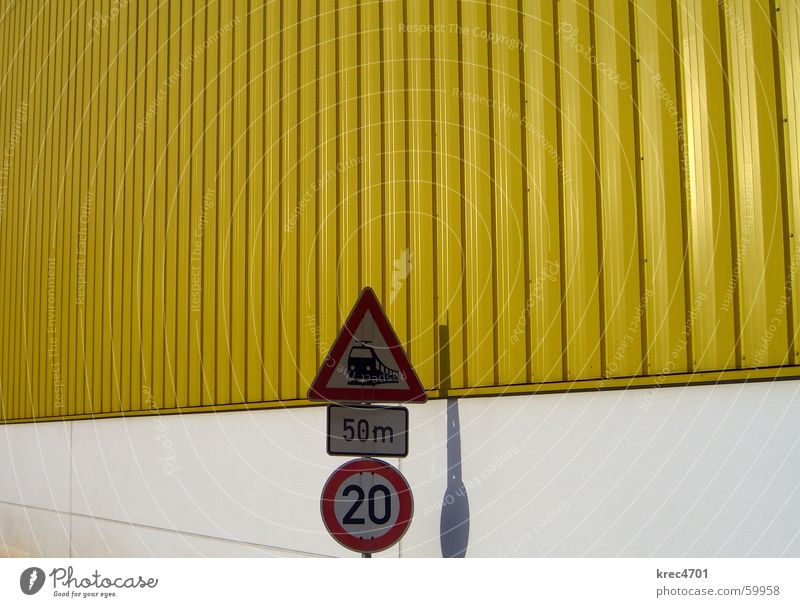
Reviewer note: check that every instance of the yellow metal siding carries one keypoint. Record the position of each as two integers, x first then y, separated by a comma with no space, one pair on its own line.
544,195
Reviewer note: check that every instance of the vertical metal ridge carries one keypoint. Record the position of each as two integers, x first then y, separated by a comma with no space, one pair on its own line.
683,145
233,381
434,196
175,131
4,31
35,262
31,231
124,203
201,335
41,178
13,188
61,277
561,202
384,151
114,354
407,168
23,232
266,191
121,203
76,346
24,236
146,345
5,43
526,262
9,306
139,204
339,143
100,355
12,88
25,229
492,197
248,283
89,117
29,228
60,202
463,191
88,363
23,239
319,218
158,345
729,160
22,242
219,218
298,188
10,218
83,333
784,186
598,198
281,188
220,223
359,147
639,158
133,252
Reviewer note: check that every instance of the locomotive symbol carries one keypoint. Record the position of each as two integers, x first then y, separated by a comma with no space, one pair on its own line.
365,368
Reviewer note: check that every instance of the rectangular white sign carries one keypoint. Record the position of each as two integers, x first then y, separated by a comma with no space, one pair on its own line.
367,430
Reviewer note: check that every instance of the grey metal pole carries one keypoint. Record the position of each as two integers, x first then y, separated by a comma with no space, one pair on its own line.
366,555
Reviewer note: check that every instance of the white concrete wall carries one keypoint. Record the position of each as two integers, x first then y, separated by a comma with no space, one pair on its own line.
700,471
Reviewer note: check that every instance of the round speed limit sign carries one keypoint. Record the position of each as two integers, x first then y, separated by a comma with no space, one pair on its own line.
367,505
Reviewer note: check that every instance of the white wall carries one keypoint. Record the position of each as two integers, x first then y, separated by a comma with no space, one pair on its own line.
700,471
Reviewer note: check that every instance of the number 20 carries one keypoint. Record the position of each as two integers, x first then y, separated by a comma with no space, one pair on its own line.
349,519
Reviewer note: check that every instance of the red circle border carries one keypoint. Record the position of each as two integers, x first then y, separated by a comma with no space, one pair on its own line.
399,483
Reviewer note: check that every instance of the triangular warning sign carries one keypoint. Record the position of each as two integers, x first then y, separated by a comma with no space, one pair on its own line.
366,362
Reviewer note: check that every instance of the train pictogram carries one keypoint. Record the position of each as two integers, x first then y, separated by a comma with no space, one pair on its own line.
365,368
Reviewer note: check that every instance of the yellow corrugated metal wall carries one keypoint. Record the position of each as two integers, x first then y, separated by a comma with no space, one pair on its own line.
544,194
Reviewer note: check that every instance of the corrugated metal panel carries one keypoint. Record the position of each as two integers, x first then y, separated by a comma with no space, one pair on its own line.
545,195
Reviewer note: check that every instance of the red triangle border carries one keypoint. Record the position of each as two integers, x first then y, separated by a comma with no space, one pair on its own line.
319,390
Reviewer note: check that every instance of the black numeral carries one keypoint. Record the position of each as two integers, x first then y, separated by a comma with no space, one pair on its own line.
351,519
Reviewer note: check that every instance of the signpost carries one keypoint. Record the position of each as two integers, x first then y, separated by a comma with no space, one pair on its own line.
366,503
